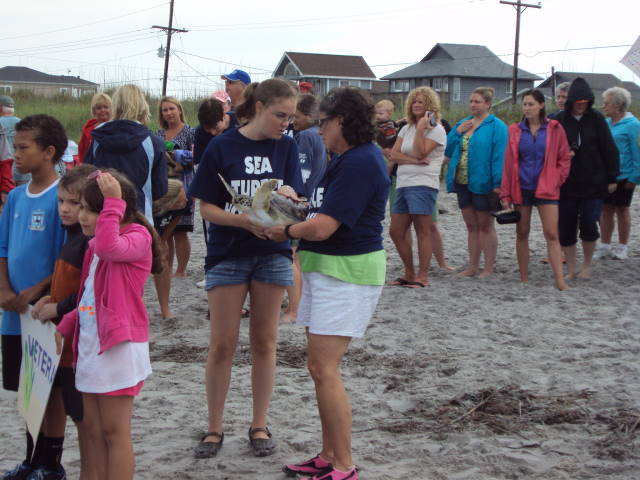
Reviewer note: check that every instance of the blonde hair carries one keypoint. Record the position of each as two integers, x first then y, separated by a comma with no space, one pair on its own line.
100,99
386,105
487,93
432,103
161,121
129,104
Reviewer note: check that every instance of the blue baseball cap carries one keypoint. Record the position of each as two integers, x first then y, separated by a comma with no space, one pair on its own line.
238,76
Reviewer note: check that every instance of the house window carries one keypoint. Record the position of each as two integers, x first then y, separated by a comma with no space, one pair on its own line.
344,83
456,89
445,84
64,91
437,84
290,70
365,84
332,83
400,85
509,88
354,83
5,89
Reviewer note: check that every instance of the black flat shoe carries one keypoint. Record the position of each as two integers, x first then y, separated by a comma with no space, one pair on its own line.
262,447
209,449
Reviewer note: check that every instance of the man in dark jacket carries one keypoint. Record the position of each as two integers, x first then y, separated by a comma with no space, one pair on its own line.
594,168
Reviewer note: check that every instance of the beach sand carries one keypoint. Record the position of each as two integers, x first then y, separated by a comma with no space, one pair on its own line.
465,379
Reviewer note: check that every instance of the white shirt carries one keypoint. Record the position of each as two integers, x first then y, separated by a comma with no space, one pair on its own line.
422,175
122,366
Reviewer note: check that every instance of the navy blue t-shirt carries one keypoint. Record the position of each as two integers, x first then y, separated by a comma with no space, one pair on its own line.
353,191
245,164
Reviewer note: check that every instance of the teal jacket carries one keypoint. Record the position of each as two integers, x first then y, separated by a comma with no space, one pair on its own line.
486,155
626,134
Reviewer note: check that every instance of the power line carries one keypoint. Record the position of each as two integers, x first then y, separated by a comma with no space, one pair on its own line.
269,70
65,29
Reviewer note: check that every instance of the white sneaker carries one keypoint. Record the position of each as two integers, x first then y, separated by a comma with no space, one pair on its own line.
202,283
620,252
603,251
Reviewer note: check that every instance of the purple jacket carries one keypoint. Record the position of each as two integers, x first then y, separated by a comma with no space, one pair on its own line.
124,266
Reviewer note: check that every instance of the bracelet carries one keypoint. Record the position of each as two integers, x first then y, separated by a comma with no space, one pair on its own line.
286,232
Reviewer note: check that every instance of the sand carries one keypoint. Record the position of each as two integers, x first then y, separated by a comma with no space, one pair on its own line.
465,379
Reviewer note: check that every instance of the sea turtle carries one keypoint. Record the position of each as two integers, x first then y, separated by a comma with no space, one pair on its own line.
268,207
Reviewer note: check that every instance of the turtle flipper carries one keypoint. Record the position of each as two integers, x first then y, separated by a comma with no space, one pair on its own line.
231,191
262,197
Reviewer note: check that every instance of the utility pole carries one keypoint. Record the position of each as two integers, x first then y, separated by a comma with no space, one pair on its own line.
169,31
520,7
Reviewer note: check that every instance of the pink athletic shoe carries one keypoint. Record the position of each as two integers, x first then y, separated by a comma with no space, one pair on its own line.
316,466
334,474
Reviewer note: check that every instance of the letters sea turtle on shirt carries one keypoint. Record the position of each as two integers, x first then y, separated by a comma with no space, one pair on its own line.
268,207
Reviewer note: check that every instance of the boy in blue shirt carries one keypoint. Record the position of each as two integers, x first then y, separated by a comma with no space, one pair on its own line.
31,236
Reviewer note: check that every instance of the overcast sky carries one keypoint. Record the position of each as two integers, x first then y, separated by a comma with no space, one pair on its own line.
113,42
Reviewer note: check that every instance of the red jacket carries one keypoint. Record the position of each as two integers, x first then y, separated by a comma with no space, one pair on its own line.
123,268
555,170
6,176
85,138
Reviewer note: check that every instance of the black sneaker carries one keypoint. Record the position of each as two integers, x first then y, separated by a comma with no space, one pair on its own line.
20,472
42,473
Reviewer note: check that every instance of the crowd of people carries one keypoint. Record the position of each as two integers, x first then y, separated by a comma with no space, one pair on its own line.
127,209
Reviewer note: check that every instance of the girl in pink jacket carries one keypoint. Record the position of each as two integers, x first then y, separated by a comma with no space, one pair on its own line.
110,328
537,162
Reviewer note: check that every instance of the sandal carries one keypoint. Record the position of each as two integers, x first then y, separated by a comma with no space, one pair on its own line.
262,447
335,474
399,282
209,449
315,466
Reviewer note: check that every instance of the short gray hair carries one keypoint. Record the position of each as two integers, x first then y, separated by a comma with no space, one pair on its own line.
563,87
620,96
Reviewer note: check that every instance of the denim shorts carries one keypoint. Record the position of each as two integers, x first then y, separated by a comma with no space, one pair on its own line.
419,200
466,198
274,268
529,199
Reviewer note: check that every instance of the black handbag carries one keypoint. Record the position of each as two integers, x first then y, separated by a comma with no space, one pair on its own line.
504,217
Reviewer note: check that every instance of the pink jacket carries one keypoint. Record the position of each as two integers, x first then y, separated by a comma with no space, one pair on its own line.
557,163
124,266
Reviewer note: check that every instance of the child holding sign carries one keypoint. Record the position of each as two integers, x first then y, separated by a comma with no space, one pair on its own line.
109,328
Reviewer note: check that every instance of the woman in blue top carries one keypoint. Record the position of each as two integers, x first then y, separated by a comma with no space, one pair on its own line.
625,129
476,148
343,263
240,259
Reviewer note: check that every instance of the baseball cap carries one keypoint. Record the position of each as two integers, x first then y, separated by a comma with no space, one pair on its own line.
6,101
305,87
237,76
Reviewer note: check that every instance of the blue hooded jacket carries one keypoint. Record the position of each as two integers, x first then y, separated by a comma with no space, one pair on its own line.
626,134
132,149
486,155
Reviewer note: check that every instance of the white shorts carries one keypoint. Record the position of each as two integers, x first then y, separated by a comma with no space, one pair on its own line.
332,307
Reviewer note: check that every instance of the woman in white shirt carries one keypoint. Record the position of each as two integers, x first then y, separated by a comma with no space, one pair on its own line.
419,153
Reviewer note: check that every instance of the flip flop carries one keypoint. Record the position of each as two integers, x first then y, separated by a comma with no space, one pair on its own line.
415,285
399,282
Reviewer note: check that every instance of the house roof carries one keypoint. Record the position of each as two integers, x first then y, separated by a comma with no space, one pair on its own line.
29,75
325,65
458,60
598,81
633,88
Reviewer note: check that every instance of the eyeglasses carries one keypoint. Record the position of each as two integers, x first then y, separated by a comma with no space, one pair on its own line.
323,121
283,117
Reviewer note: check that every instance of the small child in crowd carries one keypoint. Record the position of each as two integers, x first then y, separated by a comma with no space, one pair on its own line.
109,328
387,129
31,236
65,399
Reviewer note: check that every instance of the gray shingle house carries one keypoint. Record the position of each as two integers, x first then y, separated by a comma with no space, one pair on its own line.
454,70
13,79
325,71
598,82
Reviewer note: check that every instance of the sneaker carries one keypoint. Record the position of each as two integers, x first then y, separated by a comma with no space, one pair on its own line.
43,473
334,474
620,252
603,251
20,472
316,465
202,283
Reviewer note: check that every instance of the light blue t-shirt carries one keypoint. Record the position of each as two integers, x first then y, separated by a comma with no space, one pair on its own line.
31,236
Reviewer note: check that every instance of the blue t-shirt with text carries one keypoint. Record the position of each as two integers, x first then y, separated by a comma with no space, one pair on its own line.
353,191
245,164
31,236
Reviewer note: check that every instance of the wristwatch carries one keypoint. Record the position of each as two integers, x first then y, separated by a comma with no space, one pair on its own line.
286,232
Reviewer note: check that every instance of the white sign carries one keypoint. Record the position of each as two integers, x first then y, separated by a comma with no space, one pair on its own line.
632,59
37,371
